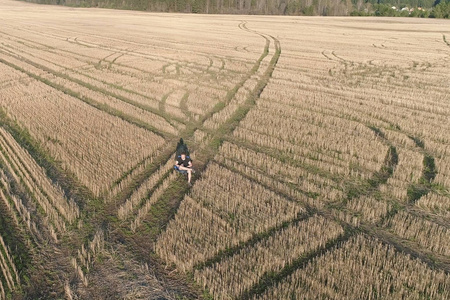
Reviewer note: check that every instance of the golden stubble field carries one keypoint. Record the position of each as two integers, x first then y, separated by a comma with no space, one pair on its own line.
322,148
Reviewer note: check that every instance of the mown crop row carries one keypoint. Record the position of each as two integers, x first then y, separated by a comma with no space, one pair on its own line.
426,234
194,235
130,204
407,172
96,147
223,210
402,111
273,172
104,68
220,117
16,205
147,205
435,203
443,165
400,139
25,171
264,179
369,208
344,145
363,268
243,203
86,257
229,278
89,90
123,182
9,277
300,154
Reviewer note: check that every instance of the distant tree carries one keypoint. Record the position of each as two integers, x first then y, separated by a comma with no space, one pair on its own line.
431,8
384,10
308,11
442,10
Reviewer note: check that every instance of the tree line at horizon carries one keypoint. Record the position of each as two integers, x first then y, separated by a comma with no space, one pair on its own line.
392,8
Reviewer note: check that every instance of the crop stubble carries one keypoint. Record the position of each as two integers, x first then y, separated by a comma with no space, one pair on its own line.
317,133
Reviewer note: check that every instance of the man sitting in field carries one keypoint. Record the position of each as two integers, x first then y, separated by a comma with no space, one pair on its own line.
184,163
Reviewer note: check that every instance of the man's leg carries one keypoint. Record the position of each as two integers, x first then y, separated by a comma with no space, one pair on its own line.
189,170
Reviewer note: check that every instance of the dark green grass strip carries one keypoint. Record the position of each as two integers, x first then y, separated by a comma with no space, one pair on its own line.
377,132
424,186
184,107
390,162
419,143
378,178
16,242
162,103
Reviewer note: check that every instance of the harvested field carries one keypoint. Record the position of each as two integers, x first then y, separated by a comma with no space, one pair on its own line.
322,150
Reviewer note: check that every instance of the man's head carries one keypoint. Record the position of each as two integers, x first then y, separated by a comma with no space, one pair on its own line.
183,156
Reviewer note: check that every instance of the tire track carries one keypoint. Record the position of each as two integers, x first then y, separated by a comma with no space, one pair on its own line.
207,151
226,128
103,107
121,41
113,86
94,88
204,154
91,60
444,38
